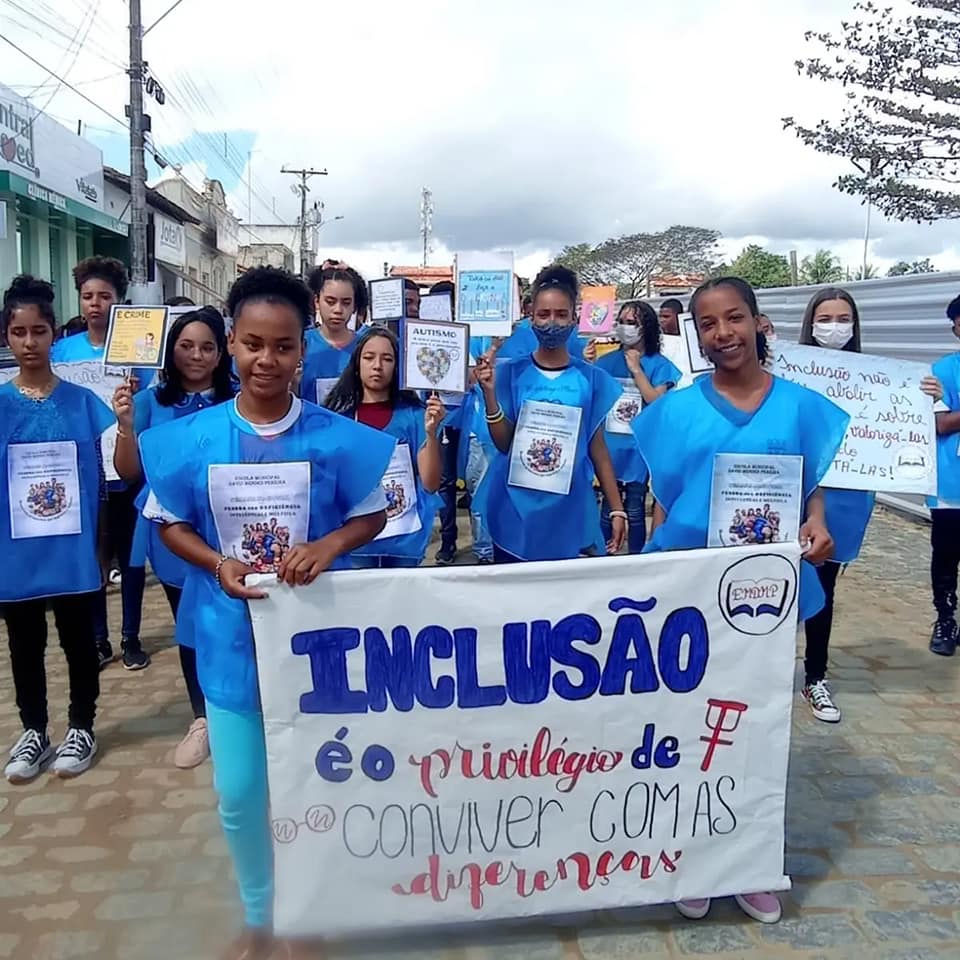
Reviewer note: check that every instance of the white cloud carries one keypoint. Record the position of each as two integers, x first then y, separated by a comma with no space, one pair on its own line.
535,124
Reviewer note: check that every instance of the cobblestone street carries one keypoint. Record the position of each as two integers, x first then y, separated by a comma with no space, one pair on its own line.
127,861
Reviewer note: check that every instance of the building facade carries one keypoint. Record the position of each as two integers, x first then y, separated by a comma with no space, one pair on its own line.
52,200
211,241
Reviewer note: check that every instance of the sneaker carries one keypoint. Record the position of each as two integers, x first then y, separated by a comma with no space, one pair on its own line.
762,907
693,909
943,640
28,755
445,556
484,560
104,653
115,576
75,754
133,656
821,703
194,748
250,945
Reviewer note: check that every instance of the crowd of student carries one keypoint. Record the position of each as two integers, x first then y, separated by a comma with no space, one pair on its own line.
294,385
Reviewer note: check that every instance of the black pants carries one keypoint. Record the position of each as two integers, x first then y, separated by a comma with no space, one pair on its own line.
944,560
448,489
121,525
818,627
27,630
188,659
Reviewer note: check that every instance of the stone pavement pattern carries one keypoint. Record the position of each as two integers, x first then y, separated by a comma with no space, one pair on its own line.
127,861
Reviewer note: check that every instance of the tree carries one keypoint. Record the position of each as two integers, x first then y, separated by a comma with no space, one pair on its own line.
901,125
902,268
822,267
760,268
870,273
630,262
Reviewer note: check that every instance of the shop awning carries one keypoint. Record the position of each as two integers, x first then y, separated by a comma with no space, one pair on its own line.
32,191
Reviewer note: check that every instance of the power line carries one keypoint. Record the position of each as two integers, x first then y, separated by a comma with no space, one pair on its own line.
92,9
163,16
66,83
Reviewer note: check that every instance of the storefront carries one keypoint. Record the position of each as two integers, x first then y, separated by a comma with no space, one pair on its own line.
51,200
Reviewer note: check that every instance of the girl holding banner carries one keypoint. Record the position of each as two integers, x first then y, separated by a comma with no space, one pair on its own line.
196,375
368,391
545,412
645,374
329,346
51,478
265,483
832,322
738,408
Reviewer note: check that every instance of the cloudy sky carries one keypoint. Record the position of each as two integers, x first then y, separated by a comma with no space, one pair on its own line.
536,123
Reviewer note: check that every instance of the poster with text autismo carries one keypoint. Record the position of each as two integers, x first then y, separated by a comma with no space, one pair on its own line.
755,499
581,744
486,291
136,337
890,444
103,382
598,311
435,356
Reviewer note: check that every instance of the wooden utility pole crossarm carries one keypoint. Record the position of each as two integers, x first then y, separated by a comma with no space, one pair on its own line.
303,190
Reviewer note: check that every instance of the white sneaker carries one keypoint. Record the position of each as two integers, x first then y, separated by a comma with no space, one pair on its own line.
27,756
194,748
821,703
75,754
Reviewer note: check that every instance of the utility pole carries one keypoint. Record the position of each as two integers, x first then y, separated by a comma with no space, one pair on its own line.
426,220
138,170
303,190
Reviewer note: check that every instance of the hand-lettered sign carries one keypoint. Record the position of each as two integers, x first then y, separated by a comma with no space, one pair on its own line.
890,445
435,757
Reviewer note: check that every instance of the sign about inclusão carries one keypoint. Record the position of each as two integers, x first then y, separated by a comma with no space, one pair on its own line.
481,742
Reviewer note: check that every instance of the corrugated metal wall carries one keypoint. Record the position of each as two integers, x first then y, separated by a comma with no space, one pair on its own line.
901,316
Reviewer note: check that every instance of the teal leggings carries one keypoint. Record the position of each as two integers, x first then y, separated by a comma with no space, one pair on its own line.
239,757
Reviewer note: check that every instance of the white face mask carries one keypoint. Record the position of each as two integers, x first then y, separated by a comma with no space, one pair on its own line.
833,335
627,333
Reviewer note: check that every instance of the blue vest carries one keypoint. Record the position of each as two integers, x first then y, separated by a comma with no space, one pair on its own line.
321,361
681,433
534,524
848,513
345,459
406,425
49,566
627,462
947,369
147,545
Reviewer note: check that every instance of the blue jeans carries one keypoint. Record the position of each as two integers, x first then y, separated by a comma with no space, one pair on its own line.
449,445
635,507
239,754
369,562
476,468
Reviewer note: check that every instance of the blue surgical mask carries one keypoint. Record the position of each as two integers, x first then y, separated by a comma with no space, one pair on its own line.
553,335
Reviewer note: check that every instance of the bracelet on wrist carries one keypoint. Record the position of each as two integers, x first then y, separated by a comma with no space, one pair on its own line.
496,416
216,570
619,513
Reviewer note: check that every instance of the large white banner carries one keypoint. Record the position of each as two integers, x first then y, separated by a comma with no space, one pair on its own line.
890,445
486,742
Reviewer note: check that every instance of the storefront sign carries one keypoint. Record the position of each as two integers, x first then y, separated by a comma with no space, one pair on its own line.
57,165
170,241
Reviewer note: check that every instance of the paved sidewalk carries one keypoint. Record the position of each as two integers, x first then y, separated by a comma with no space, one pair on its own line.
127,861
